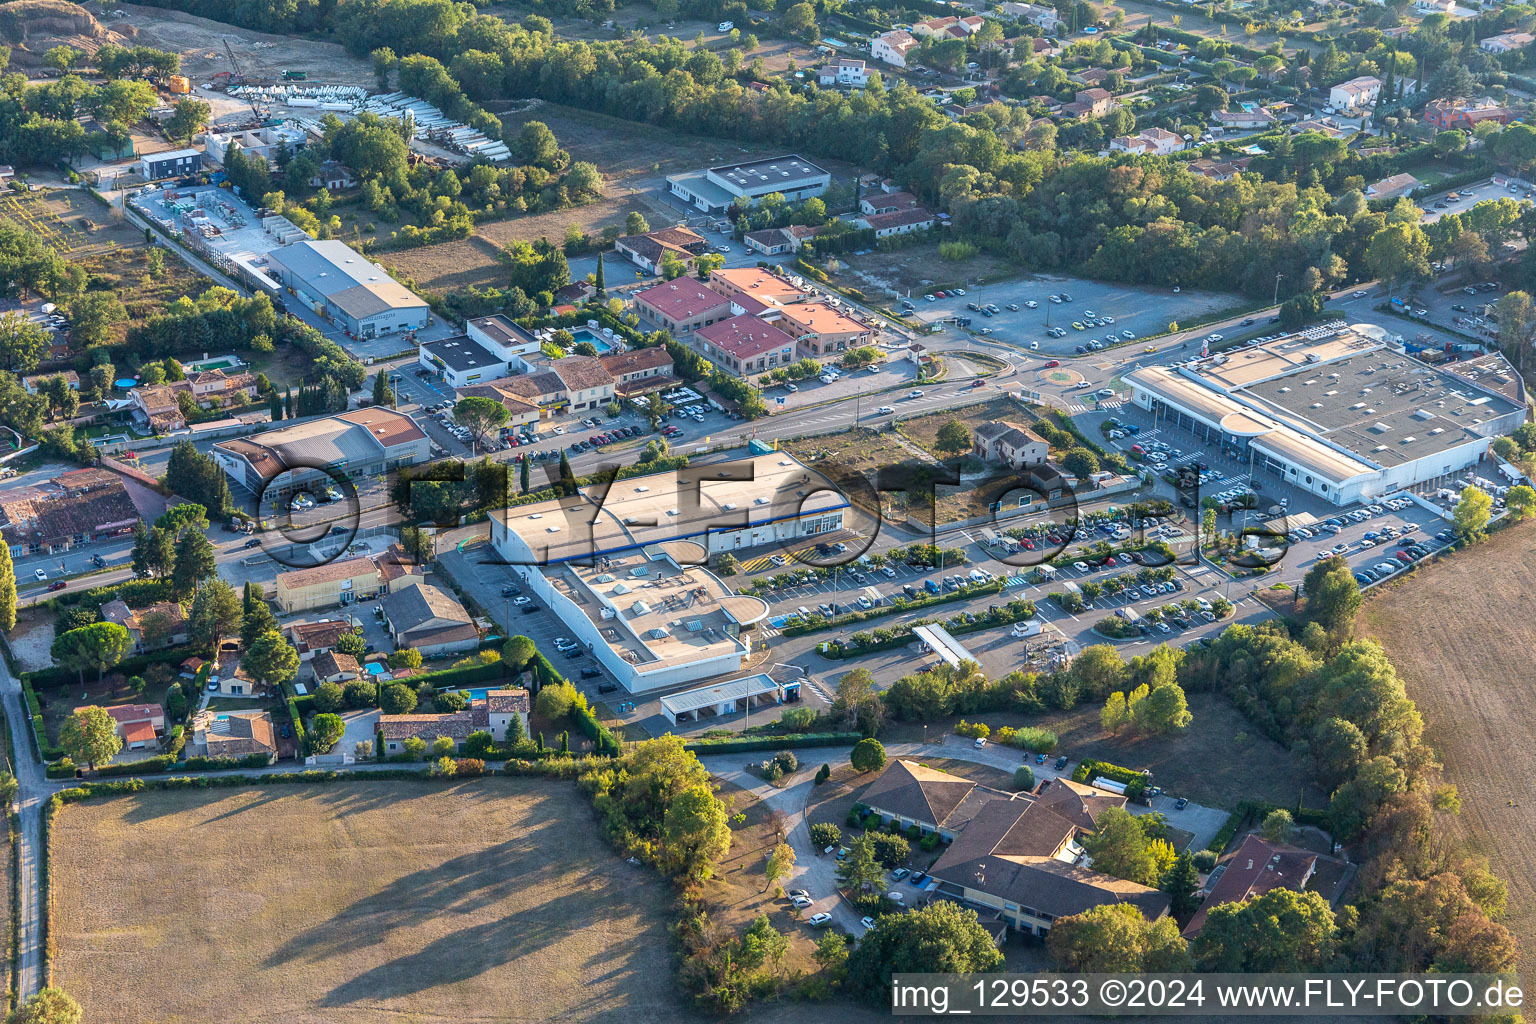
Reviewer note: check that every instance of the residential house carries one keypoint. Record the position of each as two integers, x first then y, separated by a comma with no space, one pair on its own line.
846,72
334,177
331,667
430,620
1150,142
398,570
30,384
492,713
820,331
140,726
1257,867
1435,6
156,406
312,638
1505,42
587,384
1044,47
1088,103
1218,170
897,222
1446,114
682,305
893,47
576,293
650,250
948,28
1045,18
1089,76
745,344
639,370
1242,118
887,202
542,388
522,409
773,241
1393,187
341,582
1355,94
167,623
235,734
1014,856
1010,443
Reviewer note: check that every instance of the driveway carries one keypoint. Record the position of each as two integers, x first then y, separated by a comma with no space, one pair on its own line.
361,727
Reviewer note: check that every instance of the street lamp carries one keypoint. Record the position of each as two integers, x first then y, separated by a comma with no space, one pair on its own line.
1277,289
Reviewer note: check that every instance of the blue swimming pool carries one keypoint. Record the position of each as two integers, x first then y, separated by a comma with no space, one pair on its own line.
476,694
602,344
376,668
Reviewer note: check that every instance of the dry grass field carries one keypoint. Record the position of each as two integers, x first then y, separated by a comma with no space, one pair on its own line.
365,902
1461,634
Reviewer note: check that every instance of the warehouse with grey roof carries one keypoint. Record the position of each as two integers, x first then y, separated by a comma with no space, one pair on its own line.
717,188
1338,410
342,284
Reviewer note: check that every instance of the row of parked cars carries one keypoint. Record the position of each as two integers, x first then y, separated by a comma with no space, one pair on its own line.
607,437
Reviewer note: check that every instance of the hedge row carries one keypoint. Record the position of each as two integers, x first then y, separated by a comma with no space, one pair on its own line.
1249,811
40,746
167,762
1089,770
896,605
729,745
135,594
606,743
1004,616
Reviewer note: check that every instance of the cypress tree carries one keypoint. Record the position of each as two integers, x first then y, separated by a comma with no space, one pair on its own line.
525,473
275,404
288,402
601,279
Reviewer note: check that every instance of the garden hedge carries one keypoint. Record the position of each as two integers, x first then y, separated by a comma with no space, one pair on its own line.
785,742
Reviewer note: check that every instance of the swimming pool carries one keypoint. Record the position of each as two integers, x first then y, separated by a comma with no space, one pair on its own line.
476,694
376,668
602,344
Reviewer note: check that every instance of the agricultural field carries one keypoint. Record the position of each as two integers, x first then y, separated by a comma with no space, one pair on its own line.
353,904
72,222
1460,633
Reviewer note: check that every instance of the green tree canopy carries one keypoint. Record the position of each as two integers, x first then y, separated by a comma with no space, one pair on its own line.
941,937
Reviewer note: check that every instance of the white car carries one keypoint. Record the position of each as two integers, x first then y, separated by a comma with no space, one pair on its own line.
1031,304
820,920
1105,392
722,248
885,410
520,601
1080,566
888,572
868,922
800,901
981,741
930,298
39,574
959,291
894,896
1358,295
915,393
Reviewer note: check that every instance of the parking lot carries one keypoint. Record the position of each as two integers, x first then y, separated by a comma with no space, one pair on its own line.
1142,311
1227,476
1440,204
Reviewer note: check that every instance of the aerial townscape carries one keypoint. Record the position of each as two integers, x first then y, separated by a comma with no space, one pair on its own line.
566,510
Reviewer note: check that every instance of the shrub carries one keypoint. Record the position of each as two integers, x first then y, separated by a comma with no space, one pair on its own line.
469,766
1023,777
929,842
1035,738
974,730
914,833
1205,860
854,819
823,774
787,761
328,697
872,822
359,694
824,834
868,755
891,850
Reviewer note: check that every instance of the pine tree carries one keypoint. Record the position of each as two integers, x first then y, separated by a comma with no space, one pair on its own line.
382,394
567,478
1180,883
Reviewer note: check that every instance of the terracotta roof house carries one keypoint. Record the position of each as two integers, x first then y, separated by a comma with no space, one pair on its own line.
331,667
521,408
430,620
1012,857
398,570
682,305
1257,867
893,47
310,638
139,725
323,586
492,713
1393,187
235,734
1081,805
1506,42
649,250
772,241
131,619
587,384
1010,443
896,222
639,370
744,344
71,509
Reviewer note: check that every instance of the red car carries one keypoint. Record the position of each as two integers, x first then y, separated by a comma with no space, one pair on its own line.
1402,556
940,295
978,382
57,585
1029,545
1053,362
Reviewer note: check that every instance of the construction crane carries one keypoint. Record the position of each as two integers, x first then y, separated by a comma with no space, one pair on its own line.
236,76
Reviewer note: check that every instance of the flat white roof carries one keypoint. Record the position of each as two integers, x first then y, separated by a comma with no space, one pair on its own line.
944,645
719,693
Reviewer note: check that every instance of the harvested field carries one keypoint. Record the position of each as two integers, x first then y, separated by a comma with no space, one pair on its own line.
357,902
1461,633
70,221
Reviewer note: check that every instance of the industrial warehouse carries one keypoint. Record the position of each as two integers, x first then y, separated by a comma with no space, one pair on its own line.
339,282
717,188
1334,410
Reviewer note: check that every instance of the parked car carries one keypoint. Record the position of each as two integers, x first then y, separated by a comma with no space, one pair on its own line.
819,920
